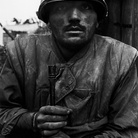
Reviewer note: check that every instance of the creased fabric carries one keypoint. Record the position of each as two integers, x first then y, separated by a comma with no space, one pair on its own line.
99,84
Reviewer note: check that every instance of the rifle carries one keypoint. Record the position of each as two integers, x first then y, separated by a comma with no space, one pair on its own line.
7,32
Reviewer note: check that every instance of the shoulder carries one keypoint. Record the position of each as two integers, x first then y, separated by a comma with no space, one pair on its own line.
117,47
21,43
122,55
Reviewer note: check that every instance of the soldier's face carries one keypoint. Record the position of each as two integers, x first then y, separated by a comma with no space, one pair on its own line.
72,22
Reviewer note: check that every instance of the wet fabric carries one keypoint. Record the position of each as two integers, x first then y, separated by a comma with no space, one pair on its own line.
99,84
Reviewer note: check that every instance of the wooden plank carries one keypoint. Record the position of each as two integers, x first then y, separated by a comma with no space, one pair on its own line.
135,27
127,21
112,29
135,24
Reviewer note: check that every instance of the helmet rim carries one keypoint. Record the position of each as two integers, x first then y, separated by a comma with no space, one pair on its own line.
45,4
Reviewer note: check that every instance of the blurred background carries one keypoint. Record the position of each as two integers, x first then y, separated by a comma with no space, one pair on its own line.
20,9
18,17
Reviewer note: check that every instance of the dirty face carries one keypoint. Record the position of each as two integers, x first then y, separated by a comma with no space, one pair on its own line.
72,23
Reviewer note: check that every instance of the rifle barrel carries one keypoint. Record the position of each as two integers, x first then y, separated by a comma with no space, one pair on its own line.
52,78
7,32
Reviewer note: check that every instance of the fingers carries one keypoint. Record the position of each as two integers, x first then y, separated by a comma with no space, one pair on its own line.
49,133
52,126
55,110
51,118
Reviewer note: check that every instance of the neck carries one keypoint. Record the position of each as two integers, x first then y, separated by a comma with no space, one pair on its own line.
70,53
69,50
66,53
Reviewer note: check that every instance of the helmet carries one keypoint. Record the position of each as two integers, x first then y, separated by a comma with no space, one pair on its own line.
100,7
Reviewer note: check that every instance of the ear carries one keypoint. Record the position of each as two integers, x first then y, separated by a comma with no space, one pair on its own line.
48,25
97,25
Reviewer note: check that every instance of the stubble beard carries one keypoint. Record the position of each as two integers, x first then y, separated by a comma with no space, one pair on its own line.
73,45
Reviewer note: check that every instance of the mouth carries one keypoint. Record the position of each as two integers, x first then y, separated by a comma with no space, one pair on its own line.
74,30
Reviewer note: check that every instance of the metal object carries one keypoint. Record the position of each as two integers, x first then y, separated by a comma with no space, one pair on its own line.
7,32
52,79
43,11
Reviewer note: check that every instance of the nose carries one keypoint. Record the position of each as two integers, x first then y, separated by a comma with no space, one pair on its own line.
75,16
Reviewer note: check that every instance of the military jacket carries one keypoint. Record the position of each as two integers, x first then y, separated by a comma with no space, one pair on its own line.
99,84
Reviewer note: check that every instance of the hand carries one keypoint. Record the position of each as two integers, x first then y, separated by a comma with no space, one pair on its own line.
50,119
60,135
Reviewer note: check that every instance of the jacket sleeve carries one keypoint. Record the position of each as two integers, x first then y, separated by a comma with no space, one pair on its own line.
11,91
123,107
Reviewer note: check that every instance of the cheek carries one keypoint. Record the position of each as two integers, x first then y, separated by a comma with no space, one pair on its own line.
90,22
57,23
57,27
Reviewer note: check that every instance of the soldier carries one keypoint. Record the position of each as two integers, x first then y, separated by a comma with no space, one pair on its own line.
95,78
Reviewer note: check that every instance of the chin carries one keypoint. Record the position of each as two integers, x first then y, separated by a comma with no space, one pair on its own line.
75,40
75,44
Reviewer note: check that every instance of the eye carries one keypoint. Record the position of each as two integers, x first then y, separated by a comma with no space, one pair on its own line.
87,6
61,8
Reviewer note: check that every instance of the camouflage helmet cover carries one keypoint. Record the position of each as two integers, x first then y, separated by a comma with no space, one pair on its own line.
100,8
